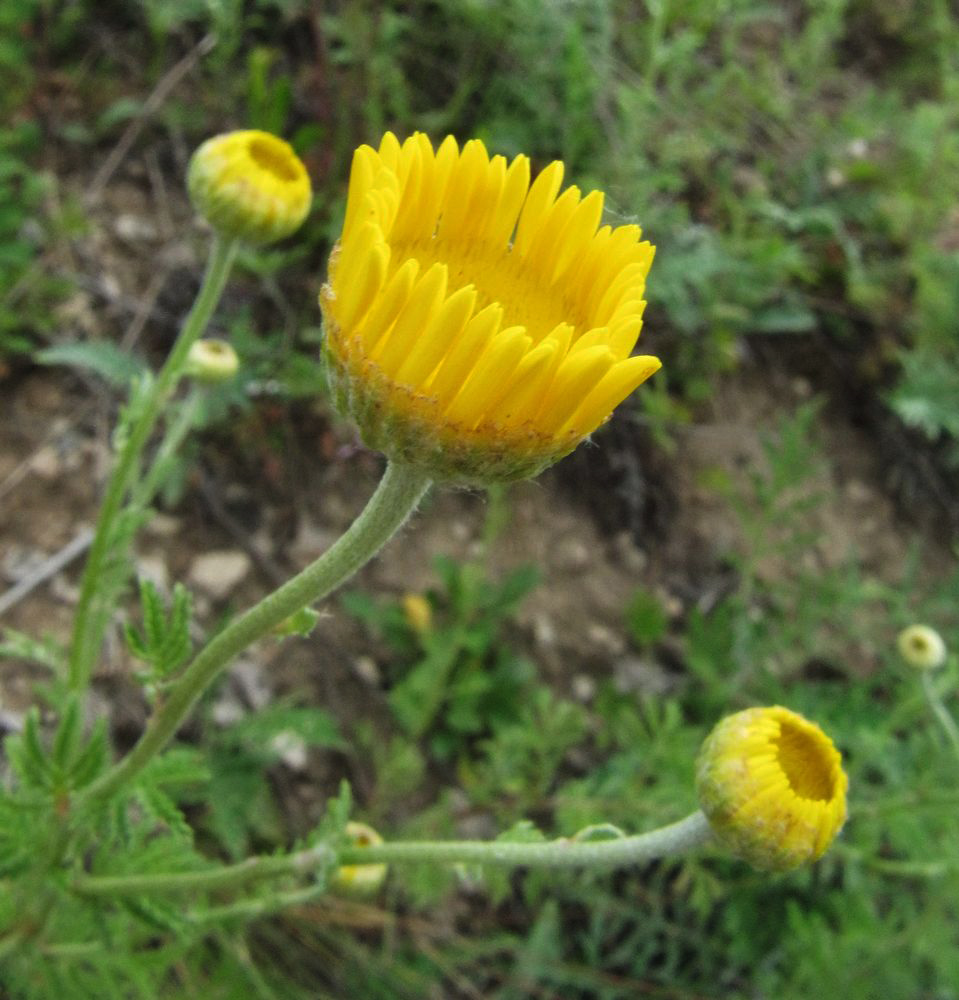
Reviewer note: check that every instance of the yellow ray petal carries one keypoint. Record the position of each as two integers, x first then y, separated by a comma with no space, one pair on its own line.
592,338
528,385
575,378
423,302
390,151
460,360
543,245
541,195
621,379
574,241
387,307
482,212
362,172
356,291
445,327
490,374
465,185
511,201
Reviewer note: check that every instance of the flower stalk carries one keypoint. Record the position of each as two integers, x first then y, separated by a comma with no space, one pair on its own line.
89,624
394,501
666,841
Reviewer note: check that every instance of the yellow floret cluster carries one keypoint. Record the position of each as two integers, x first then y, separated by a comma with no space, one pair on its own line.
479,326
771,784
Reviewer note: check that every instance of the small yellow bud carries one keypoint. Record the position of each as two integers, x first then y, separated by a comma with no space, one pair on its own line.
359,880
250,185
772,786
418,612
922,647
211,361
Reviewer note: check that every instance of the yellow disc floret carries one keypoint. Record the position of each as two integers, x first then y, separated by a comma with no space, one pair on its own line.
772,786
250,185
479,326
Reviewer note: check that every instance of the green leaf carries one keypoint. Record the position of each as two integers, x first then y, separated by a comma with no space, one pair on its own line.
19,645
99,356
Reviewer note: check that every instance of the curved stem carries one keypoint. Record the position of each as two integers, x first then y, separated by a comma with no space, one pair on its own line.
226,877
676,838
395,499
174,436
87,630
939,710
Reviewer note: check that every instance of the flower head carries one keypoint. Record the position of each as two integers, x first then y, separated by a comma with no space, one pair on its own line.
922,647
250,185
478,326
360,880
772,786
211,360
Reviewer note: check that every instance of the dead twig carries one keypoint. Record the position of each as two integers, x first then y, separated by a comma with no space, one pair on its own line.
132,132
47,569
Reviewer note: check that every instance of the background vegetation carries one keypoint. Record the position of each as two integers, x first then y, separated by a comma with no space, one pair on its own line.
797,166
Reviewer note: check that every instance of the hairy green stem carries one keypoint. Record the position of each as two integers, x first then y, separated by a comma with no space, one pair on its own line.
676,838
146,490
394,500
88,624
216,879
669,840
939,710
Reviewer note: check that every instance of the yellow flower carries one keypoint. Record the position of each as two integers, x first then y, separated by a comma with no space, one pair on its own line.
211,360
479,327
360,880
922,647
250,185
772,786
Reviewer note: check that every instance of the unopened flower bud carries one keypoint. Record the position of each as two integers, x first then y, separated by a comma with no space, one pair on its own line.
250,185
417,612
922,647
360,880
772,786
211,361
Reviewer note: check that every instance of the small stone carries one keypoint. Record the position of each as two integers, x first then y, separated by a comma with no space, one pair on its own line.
134,228
291,749
605,639
544,632
634,675
46,463
218,572
250,684
584,688
152,566
366,669
571,555
634,560
163,525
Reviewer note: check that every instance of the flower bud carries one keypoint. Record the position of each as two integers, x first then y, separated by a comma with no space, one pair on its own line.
772,786
250,185
417,612
360,880
922,647
211,361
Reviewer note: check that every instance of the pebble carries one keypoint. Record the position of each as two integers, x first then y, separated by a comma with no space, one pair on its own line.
217,573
